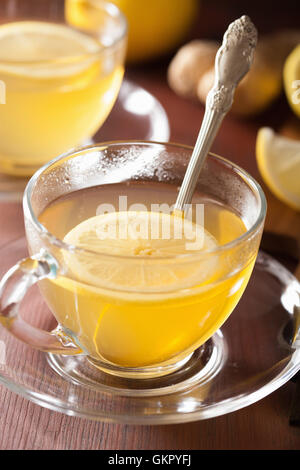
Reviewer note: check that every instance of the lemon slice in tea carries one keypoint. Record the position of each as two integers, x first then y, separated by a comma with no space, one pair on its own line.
149,251
26,44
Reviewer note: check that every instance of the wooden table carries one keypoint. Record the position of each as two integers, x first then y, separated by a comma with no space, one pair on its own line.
264,425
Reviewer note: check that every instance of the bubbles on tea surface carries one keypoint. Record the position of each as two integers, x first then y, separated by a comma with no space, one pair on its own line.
167,165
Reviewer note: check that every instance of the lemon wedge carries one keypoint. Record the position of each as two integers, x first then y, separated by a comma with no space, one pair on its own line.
33,43
139,240
291,79
278,160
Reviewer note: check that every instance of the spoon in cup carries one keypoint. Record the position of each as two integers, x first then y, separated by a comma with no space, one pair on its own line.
233,61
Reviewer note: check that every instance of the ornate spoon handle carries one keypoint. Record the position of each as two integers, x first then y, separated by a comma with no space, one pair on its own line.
233,61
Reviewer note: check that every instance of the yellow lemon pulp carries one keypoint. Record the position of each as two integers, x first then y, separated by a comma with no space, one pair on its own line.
37,40
25,44
149,235
291,78
278,160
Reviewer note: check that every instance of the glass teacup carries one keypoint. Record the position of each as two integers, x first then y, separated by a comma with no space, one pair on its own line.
58,83
132,314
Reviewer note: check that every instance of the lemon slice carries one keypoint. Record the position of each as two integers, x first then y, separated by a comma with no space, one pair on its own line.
26,44
142,238
291,79
278,159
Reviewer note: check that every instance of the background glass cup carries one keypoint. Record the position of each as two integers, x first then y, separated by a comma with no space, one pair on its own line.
60,83
180,319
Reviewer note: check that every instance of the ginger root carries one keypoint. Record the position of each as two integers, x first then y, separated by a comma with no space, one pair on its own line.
189,65
191,72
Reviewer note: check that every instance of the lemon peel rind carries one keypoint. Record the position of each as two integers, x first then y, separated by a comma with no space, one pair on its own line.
265,138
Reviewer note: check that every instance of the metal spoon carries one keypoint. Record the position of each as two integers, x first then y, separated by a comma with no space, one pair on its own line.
295,337
233,61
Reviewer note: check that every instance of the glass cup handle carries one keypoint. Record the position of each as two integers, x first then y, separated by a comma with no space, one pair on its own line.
13,287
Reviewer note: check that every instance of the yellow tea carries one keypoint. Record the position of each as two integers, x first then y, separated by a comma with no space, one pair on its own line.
60,86
153,298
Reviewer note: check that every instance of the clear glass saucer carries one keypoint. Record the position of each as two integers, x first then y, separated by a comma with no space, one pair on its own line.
137,115
247,359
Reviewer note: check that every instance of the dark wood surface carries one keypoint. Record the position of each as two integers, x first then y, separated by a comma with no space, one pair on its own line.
264,425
